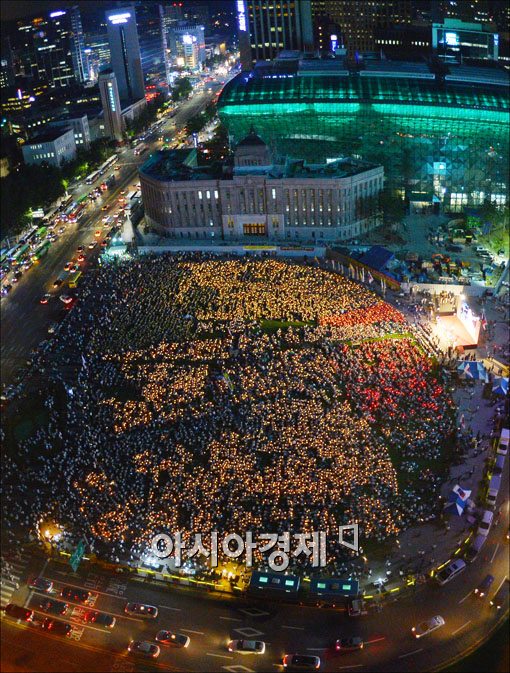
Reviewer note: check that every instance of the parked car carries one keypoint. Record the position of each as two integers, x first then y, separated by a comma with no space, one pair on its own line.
450,571
485,523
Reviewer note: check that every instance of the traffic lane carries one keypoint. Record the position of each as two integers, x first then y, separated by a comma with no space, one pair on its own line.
29,648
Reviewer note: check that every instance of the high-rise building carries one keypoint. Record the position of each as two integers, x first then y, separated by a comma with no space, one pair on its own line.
6,64
153,46
126,60
359,20
51,47
265,28
97,53
187,45
110,101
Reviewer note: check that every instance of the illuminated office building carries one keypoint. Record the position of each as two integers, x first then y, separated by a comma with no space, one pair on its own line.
442,138
186,42
110,101
125,55
266,28
153,46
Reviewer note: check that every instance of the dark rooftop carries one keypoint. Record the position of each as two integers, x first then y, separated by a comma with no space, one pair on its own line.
49,136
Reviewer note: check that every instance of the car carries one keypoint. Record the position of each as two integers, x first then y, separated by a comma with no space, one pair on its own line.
122,192
70,304
452,570
28,264
6,289
349,644
247,646
117,168
56,626
57,282
74,268
104,243
68,266
104,207
66,298
53,607
497,600
41,584
17,612
141,610
45,298
485,523
73,594
17,276
427,626
173,639
301,662
81,258
144,648
92,245
97,233
484,586
100,618
61,230
80,248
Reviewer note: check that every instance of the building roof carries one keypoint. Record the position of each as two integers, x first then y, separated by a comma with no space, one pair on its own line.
404,89
50,135
376,258
251,139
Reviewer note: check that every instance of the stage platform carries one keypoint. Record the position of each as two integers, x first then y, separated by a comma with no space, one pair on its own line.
455,331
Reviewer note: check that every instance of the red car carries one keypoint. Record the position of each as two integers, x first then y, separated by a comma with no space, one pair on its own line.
81,258
45,298
70,304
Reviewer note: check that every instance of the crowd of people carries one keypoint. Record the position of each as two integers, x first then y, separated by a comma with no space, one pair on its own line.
190,413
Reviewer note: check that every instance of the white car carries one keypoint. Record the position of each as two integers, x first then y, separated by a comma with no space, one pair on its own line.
485,523
247,646
427,626
451,571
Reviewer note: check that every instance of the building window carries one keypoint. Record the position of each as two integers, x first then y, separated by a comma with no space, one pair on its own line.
254,229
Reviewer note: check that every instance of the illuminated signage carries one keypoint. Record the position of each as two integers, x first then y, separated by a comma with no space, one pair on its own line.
111,97
187,39
119,18
54,15
19,94
334,42
241,15
452,39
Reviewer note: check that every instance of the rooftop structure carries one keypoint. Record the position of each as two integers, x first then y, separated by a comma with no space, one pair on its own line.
441,133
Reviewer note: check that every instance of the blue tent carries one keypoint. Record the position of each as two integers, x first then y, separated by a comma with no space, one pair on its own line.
472,370
457,501
500,386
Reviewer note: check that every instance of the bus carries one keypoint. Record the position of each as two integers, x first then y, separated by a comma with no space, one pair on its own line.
77,213
90,179
66,201
108,164
19,256
41,232
140,150
29,238
67,212
109,182
47,219
3,255
41,251
74,280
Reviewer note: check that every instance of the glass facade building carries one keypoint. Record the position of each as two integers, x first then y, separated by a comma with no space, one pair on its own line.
444,137
153,46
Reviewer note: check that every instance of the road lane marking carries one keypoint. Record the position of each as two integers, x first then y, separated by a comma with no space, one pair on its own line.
501,584
220,656
495,552
198,633
231,619
408,654
168,607
353,666
461,627
295,628
317,649
466,596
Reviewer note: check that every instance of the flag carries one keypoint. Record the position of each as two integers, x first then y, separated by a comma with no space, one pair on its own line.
370,277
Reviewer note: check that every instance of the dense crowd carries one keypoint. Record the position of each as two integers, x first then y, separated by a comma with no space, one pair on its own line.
196,407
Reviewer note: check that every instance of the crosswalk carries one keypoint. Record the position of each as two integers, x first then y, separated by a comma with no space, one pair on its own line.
10,580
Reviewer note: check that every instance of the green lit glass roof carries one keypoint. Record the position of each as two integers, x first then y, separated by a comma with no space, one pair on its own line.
249,90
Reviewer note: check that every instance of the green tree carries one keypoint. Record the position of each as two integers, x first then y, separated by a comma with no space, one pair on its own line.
392,206
181,88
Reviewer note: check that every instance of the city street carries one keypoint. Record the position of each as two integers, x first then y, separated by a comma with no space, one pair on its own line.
24,320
